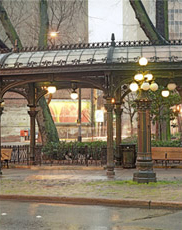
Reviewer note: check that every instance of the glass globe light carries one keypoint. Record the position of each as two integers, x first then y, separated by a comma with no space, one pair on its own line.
148,76
171,86
51,89
145,86
165,93
143,61
53,34
154,87
133,86
138,77
74,95
113,100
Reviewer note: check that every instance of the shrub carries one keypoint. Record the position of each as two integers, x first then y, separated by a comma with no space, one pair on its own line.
172,143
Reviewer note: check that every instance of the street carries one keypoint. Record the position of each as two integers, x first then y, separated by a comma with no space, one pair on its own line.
28,216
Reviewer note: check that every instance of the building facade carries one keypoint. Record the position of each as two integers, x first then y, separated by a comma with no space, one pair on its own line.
131,27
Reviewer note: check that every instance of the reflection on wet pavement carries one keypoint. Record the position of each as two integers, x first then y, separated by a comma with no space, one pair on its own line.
29,216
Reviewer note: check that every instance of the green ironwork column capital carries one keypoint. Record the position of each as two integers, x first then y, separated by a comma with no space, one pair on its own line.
109,106
118,110
33,112
143,104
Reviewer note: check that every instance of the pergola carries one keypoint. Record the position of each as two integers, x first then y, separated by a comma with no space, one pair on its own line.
105,66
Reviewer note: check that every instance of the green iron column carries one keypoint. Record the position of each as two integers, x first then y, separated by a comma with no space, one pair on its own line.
118,112
144,162
79,116
32,114
110,154
1,112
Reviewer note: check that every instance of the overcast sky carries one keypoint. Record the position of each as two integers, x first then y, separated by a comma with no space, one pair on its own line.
105,18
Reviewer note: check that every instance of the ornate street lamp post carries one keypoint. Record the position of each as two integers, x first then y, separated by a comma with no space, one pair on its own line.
143,81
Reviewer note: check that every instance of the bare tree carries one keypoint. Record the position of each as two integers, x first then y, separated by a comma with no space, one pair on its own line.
130,108
145,22
56,15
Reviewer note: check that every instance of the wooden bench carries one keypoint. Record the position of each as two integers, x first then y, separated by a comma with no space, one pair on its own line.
6,155
166,155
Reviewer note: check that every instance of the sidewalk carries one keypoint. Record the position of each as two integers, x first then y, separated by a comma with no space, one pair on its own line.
90,185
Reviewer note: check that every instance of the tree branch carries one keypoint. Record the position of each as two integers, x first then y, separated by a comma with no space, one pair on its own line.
8,27
145,23
2,45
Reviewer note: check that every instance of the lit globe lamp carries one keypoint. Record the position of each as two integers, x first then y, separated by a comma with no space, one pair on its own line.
74,94
134,87
165,93
148,77
154,86
113,100
143,61
171,86
139,77
51,89
145,86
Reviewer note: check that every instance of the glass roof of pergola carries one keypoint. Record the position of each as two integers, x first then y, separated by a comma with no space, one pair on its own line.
82,56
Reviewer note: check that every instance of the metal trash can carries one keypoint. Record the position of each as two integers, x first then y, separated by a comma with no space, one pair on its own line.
103,155
128,154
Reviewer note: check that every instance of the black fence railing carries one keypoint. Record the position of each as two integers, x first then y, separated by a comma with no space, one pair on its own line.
76,156
65,156
19,153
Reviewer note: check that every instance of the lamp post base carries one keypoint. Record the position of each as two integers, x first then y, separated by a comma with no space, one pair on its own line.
144,176
110,171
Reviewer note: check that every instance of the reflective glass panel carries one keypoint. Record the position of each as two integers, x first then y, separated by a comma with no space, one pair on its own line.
24,58
148,52
176,51
37,57
74,57
48,58
163,53
87,56
11,60
120,54
101,55
2,57
61,57
134,53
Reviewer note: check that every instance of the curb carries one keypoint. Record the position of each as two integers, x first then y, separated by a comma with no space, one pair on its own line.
66,167
95,201
75,167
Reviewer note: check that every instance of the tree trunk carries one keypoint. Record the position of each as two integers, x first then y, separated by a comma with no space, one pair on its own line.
131,126
44,23
162,18
8,27
157,130
145,23
162,28
45,122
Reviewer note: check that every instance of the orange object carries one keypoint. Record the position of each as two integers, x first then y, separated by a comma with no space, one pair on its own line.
22,133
